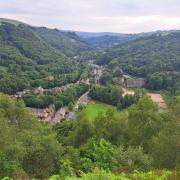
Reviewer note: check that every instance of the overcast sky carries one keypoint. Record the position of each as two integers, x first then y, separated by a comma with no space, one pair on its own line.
126,16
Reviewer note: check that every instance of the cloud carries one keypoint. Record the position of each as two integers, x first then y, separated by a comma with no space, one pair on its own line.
126,16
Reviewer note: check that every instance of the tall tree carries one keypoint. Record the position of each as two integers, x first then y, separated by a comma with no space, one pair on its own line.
144,122
166,145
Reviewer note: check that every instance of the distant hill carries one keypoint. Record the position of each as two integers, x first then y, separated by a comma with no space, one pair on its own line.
29,54
156,57
15,22
26,60
67,42
160,44
108,39
96,34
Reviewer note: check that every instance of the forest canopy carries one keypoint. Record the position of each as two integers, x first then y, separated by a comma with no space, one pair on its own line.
30,148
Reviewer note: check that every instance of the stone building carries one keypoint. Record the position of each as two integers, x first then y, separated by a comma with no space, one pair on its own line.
59,115
135,82
44,114
39,90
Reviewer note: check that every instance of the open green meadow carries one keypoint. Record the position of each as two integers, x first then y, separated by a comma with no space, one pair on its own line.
94,108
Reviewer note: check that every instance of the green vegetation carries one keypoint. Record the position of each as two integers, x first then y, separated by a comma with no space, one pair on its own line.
28,148
10,21
126,138
155,57
107,40
131,142
113,95
67,42
27,60
76,148
101,175
58,99
94,108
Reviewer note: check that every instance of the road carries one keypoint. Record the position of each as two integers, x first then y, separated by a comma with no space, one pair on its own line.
82,100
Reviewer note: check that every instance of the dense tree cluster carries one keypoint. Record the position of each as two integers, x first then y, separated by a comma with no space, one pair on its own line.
101,174
67,42
155,57
135,143
59,100
143,140
27,60
107,40
106,78
28,148
112,95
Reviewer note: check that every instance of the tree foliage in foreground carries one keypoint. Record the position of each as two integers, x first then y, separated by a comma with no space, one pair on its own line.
30,149
27,147
101,175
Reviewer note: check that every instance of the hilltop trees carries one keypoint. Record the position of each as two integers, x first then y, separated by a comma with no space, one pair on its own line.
144,122
58,99
133,158
27,58
155,57
142,140
100,154
112,95
106,78
27,147
166,145
83,130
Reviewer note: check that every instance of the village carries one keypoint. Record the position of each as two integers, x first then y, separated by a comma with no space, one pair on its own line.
89,90
50,115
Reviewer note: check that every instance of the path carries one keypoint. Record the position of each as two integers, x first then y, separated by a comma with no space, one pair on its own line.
128,92
82,100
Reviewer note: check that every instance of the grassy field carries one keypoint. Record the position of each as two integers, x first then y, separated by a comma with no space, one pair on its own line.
4,69
94,108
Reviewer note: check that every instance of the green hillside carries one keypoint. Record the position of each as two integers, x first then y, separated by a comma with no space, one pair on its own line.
156,57
16,23
109,39
67,42
92,129
26,60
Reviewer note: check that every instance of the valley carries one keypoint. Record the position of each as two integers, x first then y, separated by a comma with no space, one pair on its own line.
82,105
52,115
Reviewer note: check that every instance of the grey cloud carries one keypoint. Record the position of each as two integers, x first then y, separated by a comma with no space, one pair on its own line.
96,15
